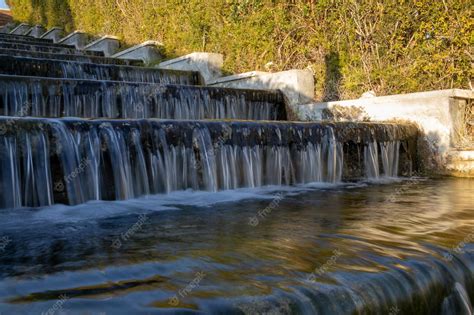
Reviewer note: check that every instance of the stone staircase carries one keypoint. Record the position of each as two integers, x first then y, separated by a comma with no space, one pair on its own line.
79,126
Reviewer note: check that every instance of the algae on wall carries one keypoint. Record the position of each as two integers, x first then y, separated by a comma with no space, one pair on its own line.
392,46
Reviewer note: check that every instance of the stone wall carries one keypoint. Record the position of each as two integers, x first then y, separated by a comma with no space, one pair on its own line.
444,116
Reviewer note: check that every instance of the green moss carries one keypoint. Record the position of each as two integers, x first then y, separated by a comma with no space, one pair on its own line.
352,46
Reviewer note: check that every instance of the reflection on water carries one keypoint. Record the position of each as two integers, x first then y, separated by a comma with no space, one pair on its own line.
399,248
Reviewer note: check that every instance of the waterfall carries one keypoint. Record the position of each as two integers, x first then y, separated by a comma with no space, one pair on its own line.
98,160
48,161
36,67
334,157
390,151
95,99
389,155
10,179
371,158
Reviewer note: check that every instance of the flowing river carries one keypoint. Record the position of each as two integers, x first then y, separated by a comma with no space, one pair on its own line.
385,247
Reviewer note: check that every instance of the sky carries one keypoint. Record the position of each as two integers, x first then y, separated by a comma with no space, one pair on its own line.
3,5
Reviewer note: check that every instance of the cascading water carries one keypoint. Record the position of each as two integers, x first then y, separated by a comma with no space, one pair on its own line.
371,158
92,99
42,48
390,151
64,56
89,71
386,256
388,155
90,160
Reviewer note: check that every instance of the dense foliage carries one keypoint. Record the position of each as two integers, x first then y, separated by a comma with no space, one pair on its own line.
351,46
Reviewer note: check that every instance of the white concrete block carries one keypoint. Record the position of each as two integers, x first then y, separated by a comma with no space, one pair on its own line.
107,44
77,39
438,113
209,65
56,33
296,85
21,29
148,52
36,31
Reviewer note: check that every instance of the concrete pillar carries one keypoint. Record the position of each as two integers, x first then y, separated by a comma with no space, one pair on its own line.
77,39
36,31
107,44
296,85
148,52
209,65
56,33
21,29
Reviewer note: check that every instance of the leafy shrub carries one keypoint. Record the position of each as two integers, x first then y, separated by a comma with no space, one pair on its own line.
392,46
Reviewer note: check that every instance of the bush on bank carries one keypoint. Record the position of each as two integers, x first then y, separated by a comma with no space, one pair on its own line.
392,46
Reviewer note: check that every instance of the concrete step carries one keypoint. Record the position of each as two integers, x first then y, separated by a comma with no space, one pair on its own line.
29,39
21,29
57,56
47,97
148,52
89,71
36,31
159,156
54,34
47,49
34,41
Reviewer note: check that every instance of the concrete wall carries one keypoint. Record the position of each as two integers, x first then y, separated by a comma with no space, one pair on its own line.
297,85
21,29
77,39
36,31
440,115
148,52
209,65
56,33
109,45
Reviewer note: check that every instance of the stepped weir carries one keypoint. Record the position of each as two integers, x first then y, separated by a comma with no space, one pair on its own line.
78,128
61,145
114,159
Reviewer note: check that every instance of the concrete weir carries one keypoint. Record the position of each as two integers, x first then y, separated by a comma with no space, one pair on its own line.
446,119
98,133
90,71
72,161
118,183
49,97
87,58
45,47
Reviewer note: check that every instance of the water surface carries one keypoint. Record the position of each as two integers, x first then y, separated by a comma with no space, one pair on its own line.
401,247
